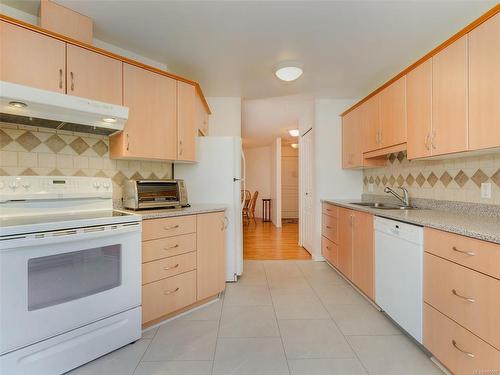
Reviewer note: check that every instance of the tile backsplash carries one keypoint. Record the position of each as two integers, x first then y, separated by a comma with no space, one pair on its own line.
454,179
45,152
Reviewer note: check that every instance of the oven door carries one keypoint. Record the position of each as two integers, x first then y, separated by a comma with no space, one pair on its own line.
59,281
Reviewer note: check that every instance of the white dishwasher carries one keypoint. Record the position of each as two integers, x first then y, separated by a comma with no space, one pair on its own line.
399,273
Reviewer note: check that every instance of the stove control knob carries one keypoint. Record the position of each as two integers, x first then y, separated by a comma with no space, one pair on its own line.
26,185
2,185
96,185
105,185
13,185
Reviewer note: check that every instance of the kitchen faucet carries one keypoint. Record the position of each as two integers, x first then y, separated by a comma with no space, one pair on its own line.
404,198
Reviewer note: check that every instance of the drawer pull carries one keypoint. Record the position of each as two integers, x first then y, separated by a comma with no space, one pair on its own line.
468,354
171,227
171,247
469,253
328,227
167,292
171,268
328,248
471,300
328,209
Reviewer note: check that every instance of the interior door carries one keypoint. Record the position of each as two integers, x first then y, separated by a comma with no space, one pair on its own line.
345,242
307,196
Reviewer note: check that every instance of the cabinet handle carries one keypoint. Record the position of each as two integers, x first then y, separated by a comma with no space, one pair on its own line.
468,354
171,291
352,220
468,299
171,268
171,227
328,248
469,253
60,78
128,142
171,247
432,139
328,227
72,76
180,147
427,141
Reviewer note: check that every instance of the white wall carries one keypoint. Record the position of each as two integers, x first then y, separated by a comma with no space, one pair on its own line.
289,182
225,119
331,181
258,173
276,182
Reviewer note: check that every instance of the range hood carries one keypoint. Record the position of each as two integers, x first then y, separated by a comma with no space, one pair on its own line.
41,108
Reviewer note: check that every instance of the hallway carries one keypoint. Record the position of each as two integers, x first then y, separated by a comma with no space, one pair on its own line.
262,240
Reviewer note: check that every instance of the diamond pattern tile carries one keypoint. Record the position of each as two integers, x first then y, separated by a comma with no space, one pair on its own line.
479,177
80,173
410,180
29,172
118,178
432,179
152,176
371,180
100,148
420,179
365,180
445,179
392,157
79,145
392,180
101,174
28,141
3,172
384,180
377,180
5,139
461,178
55,143
400,180
136,176
55,172
401,155
496,177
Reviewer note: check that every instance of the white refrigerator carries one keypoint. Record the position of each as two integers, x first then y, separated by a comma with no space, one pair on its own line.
217,178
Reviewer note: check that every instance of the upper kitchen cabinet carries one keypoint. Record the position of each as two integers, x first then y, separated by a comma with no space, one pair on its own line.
352,156
370,119
201,116
187,128
484,85
393,114
151,129
419,110
32,59
449,99
93,76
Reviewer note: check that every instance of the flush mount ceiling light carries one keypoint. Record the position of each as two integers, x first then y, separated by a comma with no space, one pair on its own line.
294,145
17,104
109,120
288,71
294,132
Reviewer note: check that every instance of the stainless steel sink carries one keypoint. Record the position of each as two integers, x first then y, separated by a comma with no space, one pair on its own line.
383,206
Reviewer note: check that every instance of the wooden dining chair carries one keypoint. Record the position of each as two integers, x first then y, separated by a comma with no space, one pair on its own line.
249,212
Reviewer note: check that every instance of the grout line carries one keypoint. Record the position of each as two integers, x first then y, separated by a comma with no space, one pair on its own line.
223,299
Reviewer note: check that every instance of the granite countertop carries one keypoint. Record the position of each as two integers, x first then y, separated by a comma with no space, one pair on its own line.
158,213
481,227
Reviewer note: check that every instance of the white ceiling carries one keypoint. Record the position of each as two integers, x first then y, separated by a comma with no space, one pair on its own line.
347,48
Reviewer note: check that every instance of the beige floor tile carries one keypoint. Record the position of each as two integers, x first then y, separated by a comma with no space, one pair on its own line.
338,294
340,366
392,355
174,368
149,333
209,312
298,306
313,339
248,321
247,295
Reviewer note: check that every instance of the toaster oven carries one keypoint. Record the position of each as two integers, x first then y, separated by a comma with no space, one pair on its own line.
141,194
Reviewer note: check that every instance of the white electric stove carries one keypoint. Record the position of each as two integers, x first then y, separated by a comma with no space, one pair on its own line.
70,273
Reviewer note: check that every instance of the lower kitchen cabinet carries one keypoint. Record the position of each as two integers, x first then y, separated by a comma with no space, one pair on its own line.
183,263
211,255
351,248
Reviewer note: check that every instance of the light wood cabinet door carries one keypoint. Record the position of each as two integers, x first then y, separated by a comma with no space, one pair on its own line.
484,85
345,242
93,76
370,119
363,253
187,128
32,59
151,129
329,250
211,254
393,114
352,156
419,110
201,116
449,99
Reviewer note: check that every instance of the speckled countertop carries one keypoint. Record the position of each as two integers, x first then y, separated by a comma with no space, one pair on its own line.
480,227
156,213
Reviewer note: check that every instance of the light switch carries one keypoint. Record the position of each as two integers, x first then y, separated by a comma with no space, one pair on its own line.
486,190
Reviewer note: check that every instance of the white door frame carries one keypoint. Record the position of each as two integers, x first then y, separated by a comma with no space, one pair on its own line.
306,171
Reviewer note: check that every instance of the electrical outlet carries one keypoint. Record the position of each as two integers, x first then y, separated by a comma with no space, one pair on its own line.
370,187
486,190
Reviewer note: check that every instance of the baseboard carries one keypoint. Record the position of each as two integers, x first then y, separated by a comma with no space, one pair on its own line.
318,258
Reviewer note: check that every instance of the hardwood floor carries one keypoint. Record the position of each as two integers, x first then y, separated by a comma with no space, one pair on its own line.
265,241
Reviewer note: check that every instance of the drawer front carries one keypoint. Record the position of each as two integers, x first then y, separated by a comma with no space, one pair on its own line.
163,268
479,255
330,210
446,285
440,336
330,228
168,227
329,250
168,295
167,247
